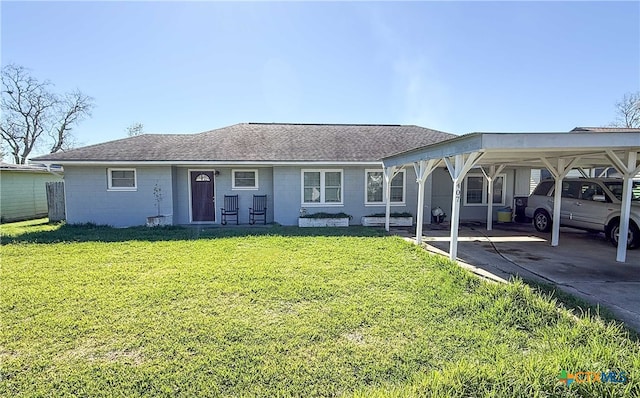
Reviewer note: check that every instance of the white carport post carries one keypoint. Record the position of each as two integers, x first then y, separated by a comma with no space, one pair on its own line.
559,174
628,171
422,168
458,171
389,173
491,176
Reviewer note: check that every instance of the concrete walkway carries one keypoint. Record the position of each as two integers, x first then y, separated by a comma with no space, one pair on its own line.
582,265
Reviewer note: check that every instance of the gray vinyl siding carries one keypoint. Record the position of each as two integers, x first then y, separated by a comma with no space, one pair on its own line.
522,181
89,200
286,181
443,194
182,195
222,187
23,194
288,194
535,179
174,194
441,190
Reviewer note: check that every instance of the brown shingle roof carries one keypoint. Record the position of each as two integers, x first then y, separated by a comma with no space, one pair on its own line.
262,142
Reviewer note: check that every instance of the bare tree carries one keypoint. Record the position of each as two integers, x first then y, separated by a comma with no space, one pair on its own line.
31,113
135,129
71,109
628,111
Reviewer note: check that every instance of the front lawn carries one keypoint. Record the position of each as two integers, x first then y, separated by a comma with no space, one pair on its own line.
92,311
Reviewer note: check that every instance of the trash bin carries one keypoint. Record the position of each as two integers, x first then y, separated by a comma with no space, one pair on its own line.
520,204
504,215
437,215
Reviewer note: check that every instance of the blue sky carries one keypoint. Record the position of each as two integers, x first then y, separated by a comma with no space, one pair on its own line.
452,66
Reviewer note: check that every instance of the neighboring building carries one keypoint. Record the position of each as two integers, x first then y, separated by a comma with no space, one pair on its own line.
23,193
300,167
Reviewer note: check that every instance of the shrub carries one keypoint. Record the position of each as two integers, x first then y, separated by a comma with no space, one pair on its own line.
403,214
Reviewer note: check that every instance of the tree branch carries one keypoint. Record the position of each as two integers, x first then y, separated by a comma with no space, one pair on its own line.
30,109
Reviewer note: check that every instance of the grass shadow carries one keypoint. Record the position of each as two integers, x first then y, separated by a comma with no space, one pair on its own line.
57,233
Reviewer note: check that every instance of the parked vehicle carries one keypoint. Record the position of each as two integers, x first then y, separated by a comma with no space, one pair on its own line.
592,204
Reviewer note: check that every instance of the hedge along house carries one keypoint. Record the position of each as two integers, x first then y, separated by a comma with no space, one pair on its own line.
311,167
23,194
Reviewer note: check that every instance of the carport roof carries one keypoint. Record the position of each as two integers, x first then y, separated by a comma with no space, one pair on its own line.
575,149
527,149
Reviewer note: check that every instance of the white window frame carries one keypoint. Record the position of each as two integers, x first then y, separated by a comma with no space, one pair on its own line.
384,188
322,202
485,188
110,186
233,180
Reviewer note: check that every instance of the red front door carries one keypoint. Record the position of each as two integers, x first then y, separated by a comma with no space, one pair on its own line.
202,199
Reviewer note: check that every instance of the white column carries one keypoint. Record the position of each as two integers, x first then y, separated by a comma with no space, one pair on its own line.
420,211
423,169
490,202
557,204
389,172
625,207
491,176
455,219
558,173
457,172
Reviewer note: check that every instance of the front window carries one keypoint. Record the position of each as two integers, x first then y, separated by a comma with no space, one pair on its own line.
322,186
375,185
333,186
475,190
476,187
245,179
121,179
498,190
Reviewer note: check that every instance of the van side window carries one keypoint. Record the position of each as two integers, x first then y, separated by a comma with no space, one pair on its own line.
571,189
543,188
590,189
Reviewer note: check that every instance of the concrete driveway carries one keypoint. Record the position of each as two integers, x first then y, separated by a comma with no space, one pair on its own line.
583,264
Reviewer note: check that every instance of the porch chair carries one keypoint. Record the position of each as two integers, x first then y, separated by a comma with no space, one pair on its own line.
230,208
259,209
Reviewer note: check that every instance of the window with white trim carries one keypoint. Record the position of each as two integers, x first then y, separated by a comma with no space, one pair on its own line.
375,185
322,187
122,179
476,187
244,179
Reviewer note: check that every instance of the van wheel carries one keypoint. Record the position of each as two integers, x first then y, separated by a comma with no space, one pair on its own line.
633,238
542,221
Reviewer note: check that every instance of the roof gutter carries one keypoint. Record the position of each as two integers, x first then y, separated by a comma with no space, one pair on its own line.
53,172
205,163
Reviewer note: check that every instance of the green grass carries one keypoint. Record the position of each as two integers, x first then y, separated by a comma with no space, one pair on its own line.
95,311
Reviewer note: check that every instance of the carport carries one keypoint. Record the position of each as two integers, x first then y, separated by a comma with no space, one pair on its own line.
491,152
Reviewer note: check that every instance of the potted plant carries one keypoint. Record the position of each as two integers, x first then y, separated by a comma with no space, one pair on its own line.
323,219
158,219
395,220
